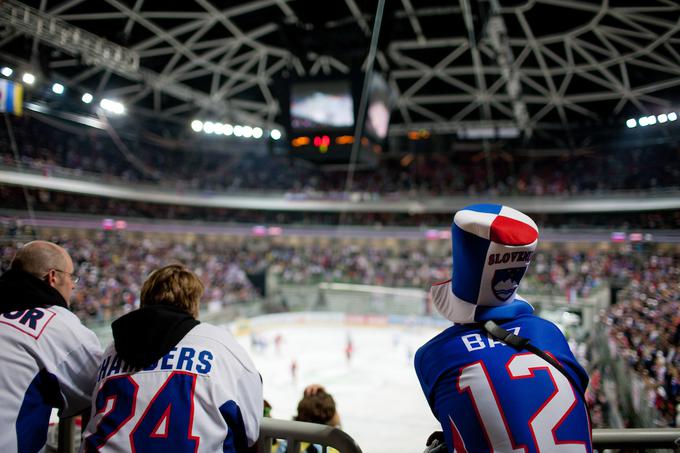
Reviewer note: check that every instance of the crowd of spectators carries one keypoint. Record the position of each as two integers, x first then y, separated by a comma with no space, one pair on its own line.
573,274
186,165
112,267
645,332
113,264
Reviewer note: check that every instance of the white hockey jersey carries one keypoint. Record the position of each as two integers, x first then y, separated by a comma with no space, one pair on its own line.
205,395
49,359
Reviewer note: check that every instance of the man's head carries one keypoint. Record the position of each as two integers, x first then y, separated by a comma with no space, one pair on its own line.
173,285
318,408
48,262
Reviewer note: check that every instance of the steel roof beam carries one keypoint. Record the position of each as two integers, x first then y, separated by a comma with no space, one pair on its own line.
358,16
56,32
413,20
498,35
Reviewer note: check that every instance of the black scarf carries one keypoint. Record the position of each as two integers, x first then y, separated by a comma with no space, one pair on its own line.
143,336
20,290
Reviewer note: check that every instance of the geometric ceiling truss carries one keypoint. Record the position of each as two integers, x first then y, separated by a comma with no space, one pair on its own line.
563,76
541,66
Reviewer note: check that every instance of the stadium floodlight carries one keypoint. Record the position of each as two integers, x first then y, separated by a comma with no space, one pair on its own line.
631,123
651,120
275,134
228,129
247,131
257,132
672,116
112,106
662,118
219,128
7,71
238,131
197,125
87,98
208,127
643,121
57,88
28,78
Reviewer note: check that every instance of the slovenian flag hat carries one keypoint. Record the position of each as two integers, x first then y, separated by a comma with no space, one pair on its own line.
492,247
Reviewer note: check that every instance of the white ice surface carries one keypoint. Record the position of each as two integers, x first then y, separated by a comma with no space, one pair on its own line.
377,393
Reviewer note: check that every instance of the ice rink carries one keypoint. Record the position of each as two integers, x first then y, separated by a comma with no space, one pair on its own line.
376,392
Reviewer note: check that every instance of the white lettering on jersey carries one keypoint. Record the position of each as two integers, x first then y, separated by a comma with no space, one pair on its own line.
31,322
185,358
475,341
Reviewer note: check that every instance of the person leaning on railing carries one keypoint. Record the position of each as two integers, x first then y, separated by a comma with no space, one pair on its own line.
49,358
179,385
500,378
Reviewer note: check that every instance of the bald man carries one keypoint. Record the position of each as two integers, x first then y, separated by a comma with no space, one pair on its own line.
49,359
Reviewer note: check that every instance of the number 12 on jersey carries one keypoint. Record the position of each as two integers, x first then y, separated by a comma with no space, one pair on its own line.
543,424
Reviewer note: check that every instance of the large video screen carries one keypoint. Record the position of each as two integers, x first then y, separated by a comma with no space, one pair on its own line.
380,104
322,104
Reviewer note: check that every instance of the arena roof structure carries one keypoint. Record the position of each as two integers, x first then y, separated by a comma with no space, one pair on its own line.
539,66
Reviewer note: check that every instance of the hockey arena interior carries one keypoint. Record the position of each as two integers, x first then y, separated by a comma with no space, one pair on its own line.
305,161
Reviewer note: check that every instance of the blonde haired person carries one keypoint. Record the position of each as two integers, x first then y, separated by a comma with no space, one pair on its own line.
178,384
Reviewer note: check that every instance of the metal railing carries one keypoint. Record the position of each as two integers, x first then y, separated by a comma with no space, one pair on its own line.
640,438
294,433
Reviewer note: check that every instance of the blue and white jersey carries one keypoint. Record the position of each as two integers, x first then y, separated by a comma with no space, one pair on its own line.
49,359
490,397
205,395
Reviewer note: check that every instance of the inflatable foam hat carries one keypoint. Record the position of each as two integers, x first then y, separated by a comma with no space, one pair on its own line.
492,247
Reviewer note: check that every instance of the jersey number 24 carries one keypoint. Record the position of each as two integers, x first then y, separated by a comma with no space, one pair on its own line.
164,426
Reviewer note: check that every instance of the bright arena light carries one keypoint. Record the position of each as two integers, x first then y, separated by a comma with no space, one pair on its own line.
247,131
219,128
238,131
208,127
28,78
651,120
197,125
6,71
112,106
58,88
228,129
257,132
275,134
87,98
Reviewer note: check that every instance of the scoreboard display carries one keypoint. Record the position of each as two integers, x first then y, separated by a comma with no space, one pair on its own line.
322,116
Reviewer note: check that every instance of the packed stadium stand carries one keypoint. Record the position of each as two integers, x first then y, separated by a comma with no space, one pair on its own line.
179,135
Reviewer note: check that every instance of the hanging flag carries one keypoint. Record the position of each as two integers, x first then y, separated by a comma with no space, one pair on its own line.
11,97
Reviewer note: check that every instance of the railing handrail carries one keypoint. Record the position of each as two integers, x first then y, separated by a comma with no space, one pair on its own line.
636,437
295,432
